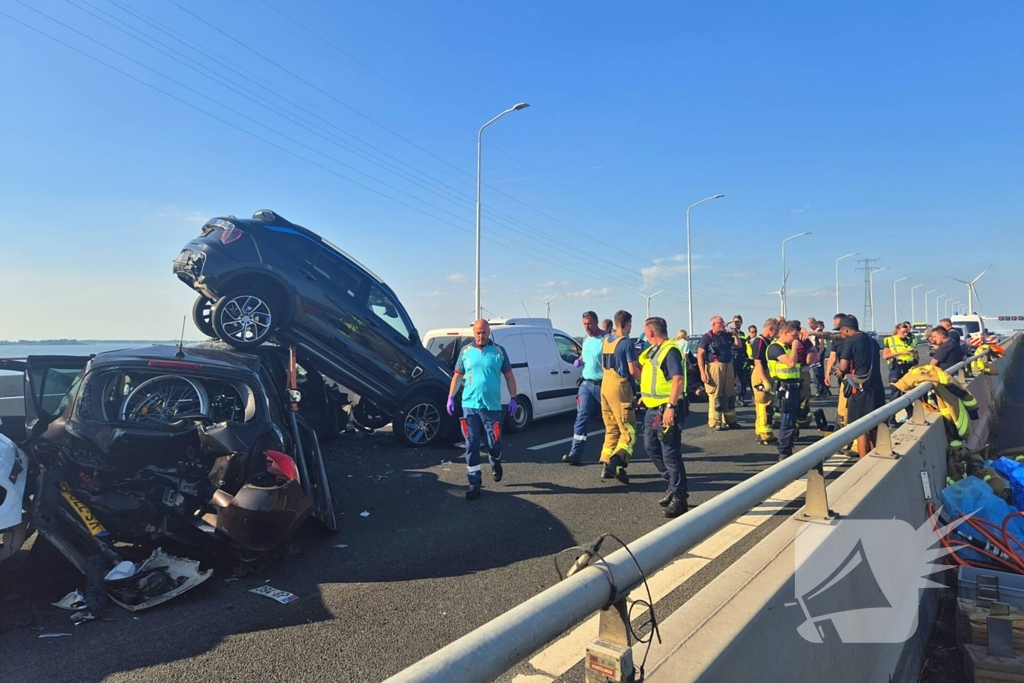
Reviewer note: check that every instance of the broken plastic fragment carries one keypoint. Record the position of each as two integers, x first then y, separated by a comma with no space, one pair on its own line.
80,617
123,570
283,597
73,601
364,513
53,635
340,545
158,579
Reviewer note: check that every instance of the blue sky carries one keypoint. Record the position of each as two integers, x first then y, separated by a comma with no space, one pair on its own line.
892,130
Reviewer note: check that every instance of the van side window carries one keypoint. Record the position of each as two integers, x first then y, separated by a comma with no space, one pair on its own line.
343,277
567,348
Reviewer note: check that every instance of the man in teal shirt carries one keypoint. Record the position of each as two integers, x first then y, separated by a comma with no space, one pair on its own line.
482,364
588,399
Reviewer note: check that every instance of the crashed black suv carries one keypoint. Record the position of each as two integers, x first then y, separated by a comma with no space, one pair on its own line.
145,450
264,277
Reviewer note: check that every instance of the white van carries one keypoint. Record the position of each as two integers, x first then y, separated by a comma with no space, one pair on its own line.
541,358
972,324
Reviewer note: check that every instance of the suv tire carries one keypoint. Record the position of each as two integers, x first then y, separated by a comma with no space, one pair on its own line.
524,415
202,316
419,421
368,414
247,317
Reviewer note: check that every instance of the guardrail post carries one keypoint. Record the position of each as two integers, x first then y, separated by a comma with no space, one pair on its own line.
918,417
609,658
883,442
816,500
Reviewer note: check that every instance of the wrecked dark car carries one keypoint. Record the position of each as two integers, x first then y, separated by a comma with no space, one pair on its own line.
196,451
267,278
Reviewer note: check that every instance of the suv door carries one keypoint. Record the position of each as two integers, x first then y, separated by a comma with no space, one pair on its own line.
389,340
51,383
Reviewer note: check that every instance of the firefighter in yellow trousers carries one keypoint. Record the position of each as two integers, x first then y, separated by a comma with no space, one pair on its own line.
714,358
619,360
761,382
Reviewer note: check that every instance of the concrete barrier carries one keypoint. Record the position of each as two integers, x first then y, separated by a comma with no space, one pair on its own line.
743,625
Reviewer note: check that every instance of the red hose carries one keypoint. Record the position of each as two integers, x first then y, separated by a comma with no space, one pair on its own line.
1005,542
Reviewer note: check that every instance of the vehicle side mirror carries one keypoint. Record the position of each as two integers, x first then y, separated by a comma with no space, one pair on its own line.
414,337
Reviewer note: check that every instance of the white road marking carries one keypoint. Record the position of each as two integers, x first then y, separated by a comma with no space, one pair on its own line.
565,653
560,441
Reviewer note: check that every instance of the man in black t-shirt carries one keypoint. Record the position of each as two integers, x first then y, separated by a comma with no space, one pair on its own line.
951,332
861,375
947,351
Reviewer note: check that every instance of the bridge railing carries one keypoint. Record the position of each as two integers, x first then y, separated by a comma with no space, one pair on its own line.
497,646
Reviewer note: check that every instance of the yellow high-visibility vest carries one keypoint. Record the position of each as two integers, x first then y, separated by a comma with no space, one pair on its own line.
655,387
782,372
904,349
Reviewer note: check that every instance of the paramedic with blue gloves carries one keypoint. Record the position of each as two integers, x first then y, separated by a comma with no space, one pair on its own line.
482,364
588,399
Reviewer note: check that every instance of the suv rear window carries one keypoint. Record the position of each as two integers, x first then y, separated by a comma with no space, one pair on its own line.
341,276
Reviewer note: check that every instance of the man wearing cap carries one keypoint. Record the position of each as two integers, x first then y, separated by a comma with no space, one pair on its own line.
482,364
714,359
588,398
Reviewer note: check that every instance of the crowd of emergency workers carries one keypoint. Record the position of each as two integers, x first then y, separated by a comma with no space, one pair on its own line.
783,365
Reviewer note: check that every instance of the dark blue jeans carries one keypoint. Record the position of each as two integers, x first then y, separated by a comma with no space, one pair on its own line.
476,423
667,457
588,404
788,401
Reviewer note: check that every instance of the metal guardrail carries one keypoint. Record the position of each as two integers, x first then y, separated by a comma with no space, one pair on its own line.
497,646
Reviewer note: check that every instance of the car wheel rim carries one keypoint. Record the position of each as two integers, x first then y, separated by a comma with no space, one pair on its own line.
246,318
422,423
520,417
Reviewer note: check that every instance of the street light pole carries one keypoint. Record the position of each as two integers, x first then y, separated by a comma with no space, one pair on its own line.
913,314
895,306
838,307
784,288
479,155
871,288
649,300
937,316
926,306
689,268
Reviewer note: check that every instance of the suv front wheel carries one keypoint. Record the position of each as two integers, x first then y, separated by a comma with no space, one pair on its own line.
245,319
419,421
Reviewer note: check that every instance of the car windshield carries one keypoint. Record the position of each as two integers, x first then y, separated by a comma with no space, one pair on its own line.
446,348
971,326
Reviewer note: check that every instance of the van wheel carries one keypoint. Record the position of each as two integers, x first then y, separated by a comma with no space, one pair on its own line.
202,316
246,318
523,415
419,421
368,414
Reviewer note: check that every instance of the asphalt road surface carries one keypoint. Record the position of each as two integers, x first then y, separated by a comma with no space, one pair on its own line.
422,569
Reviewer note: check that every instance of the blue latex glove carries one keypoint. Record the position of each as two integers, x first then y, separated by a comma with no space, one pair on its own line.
512,405
451,405
578,363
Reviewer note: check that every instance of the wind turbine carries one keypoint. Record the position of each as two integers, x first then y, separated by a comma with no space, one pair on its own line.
547,306
649,300
972,293
782,293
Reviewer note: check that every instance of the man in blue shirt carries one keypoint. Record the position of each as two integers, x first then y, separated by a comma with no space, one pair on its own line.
588,398
482,364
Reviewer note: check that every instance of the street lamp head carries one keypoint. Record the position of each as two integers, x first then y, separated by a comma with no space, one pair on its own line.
718,196
521,105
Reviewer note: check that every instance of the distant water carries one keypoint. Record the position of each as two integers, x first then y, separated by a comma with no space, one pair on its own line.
23,350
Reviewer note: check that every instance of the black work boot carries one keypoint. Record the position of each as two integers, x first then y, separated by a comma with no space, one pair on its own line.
664,501
676,506
497,471
617,467
568,459
472,493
